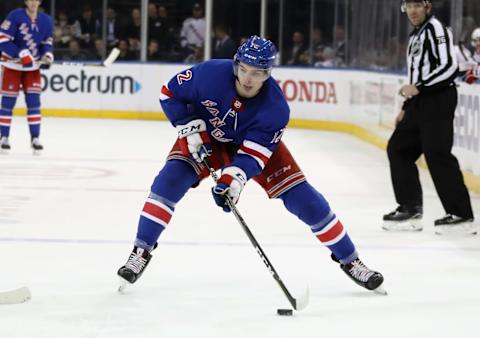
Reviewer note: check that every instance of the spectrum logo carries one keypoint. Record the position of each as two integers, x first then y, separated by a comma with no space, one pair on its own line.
84,83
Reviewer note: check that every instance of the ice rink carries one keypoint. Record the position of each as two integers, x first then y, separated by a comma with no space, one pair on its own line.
69,216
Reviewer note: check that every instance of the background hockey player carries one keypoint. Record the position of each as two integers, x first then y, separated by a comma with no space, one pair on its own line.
25,38
235,113
473,73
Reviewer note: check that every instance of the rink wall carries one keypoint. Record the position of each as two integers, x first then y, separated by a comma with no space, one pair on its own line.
361,103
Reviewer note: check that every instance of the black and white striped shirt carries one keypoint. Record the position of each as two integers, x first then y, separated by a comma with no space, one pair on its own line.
431,59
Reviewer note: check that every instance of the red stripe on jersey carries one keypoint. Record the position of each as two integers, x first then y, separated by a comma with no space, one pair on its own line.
255,153
5,57
34,119
157,212
166,92
5,119
332,233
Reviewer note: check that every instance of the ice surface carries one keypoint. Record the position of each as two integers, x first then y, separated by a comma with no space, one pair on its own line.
68,218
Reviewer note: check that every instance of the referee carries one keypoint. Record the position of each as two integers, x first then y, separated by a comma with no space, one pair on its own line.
425,125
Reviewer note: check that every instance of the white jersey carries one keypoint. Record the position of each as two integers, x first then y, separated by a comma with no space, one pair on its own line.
476,56
465,59
193,32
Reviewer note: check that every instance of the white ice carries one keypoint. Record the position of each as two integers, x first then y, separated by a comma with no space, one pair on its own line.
69,216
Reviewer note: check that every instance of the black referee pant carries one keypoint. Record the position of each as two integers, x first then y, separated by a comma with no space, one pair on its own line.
427,127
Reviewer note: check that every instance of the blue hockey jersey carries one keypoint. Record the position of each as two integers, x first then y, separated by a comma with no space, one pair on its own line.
18,31
207,91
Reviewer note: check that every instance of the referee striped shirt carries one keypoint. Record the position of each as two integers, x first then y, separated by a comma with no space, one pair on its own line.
431,59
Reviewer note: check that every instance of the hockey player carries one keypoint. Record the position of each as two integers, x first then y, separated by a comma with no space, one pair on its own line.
25,38
235,113
473,74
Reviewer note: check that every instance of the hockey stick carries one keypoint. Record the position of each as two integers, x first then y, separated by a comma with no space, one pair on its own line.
110,59
297,303
16,296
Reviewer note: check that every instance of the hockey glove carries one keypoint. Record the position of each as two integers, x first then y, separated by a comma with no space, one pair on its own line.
47,60
472,76
194,140
230,183
26,58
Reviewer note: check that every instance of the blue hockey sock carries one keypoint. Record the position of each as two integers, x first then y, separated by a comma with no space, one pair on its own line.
311,207
170,185
8,102
33,113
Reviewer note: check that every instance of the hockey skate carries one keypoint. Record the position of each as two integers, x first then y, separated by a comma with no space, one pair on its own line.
362,275
36,146
4,145
455,225
404,219
133,269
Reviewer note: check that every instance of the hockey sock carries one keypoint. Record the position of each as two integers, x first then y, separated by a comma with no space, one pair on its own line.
311,207
8,102
33,113
170,185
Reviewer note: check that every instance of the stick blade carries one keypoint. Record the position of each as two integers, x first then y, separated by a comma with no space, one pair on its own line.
302,302
20,295
111,57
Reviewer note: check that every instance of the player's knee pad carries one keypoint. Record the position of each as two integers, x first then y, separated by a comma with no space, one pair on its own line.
174,180
306,203
8,103
32,101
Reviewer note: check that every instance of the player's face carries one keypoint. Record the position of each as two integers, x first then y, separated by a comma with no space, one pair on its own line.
250,80
417,12
32,5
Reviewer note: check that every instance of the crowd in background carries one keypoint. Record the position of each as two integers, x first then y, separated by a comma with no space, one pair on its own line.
79,38
180,37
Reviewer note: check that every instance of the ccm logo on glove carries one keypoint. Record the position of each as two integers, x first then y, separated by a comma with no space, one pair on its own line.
194,140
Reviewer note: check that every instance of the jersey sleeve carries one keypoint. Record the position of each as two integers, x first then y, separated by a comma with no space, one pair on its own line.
178,95
8,29
46,45
261,141
446,65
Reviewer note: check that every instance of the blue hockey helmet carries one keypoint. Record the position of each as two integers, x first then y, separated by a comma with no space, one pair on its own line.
257,52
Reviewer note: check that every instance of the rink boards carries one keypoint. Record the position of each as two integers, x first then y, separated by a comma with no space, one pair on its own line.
363,103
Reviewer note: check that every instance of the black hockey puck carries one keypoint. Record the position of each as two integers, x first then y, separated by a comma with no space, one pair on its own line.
284,312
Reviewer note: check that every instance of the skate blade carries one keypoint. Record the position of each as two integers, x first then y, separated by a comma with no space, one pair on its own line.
460,230
411,225
36,152
381,291
122,286
4,151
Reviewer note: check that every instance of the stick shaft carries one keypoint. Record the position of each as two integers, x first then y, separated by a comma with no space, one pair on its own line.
254,241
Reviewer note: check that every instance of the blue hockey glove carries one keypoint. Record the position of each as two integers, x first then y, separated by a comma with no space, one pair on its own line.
194,140
230,183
